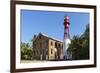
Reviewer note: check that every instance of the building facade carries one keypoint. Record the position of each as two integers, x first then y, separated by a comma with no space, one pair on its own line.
46,48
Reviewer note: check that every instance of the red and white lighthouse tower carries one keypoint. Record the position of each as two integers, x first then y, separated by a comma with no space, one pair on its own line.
66,27
67,40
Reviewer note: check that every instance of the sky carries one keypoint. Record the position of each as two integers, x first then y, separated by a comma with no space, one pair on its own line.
51,23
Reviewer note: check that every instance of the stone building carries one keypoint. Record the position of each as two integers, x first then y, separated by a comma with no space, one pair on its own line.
46,48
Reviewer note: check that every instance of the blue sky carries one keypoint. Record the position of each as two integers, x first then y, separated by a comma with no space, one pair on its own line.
51,23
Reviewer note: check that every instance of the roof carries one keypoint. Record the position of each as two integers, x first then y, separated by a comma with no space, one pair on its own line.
52,38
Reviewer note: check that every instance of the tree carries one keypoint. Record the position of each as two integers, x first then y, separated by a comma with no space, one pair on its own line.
26,51
80,45
85,43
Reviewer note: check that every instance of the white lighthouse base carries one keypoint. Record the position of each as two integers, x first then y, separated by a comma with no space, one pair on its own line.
66,54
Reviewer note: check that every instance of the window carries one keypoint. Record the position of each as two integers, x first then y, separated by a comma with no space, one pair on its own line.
51,43
59,45
51,51
55,45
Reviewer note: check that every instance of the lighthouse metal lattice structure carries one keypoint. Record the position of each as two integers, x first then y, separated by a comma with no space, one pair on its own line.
67,41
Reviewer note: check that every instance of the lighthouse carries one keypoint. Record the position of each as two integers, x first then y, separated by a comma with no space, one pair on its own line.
66,40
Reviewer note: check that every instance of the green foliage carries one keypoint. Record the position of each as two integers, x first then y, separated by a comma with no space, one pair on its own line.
26,51
80,45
